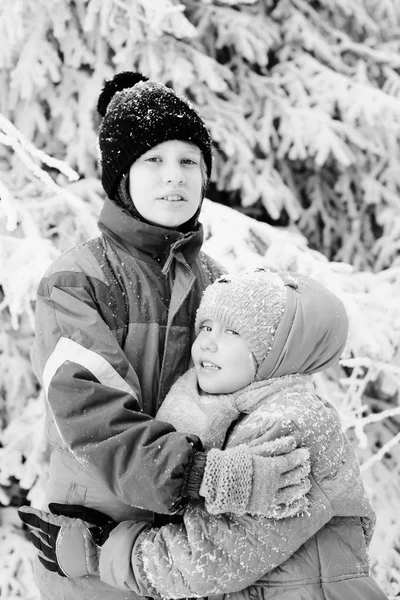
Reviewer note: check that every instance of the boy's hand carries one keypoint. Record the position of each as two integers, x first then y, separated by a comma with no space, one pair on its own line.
68,538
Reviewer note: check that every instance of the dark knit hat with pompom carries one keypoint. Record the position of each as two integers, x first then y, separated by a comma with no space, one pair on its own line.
137,115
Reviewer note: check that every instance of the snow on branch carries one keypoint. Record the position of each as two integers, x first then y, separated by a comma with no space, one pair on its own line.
22,452
27,152
25,248
16,554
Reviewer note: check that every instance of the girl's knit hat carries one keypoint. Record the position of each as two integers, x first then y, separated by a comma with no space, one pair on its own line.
137,115
291,323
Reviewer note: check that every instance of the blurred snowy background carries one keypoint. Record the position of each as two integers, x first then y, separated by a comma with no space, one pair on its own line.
302,98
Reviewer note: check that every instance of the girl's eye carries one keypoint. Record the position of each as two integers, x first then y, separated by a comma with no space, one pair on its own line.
205,328
153,159
189,161
231,332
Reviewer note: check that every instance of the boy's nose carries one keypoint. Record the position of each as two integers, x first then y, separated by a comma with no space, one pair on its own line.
174,175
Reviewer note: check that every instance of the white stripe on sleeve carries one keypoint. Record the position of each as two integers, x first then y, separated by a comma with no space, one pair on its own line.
67,350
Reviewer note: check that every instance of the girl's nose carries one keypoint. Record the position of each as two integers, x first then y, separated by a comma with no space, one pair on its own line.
208,343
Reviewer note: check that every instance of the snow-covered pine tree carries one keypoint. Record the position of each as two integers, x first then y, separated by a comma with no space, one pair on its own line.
302,99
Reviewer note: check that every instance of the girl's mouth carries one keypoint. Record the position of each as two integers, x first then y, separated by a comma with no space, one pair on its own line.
206,364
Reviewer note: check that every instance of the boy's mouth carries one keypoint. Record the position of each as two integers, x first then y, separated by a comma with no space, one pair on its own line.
173,198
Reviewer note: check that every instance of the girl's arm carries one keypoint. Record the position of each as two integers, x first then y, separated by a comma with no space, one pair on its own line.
208,554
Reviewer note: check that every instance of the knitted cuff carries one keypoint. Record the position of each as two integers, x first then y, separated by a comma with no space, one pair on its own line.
194,475
266,474
227,480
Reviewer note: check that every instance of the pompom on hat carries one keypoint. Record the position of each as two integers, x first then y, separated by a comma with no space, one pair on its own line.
291,323
137,115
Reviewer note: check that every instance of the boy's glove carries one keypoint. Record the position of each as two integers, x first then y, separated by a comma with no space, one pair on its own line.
68,538
268,479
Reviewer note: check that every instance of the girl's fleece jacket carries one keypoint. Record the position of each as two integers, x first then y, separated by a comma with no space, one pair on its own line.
318,555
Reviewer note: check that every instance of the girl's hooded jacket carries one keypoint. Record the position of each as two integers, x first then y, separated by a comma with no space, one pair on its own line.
321,554
114,322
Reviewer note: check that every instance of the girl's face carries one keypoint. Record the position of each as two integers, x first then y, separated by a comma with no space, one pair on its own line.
222,359
165,183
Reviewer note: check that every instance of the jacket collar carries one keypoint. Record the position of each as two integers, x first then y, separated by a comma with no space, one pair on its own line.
155,242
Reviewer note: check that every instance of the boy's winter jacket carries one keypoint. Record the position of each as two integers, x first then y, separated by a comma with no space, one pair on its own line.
119,314
320,554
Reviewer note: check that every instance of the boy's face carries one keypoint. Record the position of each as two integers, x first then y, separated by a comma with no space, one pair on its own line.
165,183
222,359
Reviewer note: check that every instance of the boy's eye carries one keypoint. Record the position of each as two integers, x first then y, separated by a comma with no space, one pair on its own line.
205,328
153,159
231,332
189,161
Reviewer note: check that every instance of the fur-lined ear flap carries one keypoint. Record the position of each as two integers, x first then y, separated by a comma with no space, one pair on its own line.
119,82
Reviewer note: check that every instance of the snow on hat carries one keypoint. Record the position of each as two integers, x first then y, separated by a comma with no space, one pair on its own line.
137,115
292,323
252,304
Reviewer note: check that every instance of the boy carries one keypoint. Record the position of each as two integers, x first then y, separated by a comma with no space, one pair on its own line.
114,323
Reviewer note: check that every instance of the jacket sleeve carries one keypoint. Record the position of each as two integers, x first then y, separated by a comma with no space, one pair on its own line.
94,398
207,554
